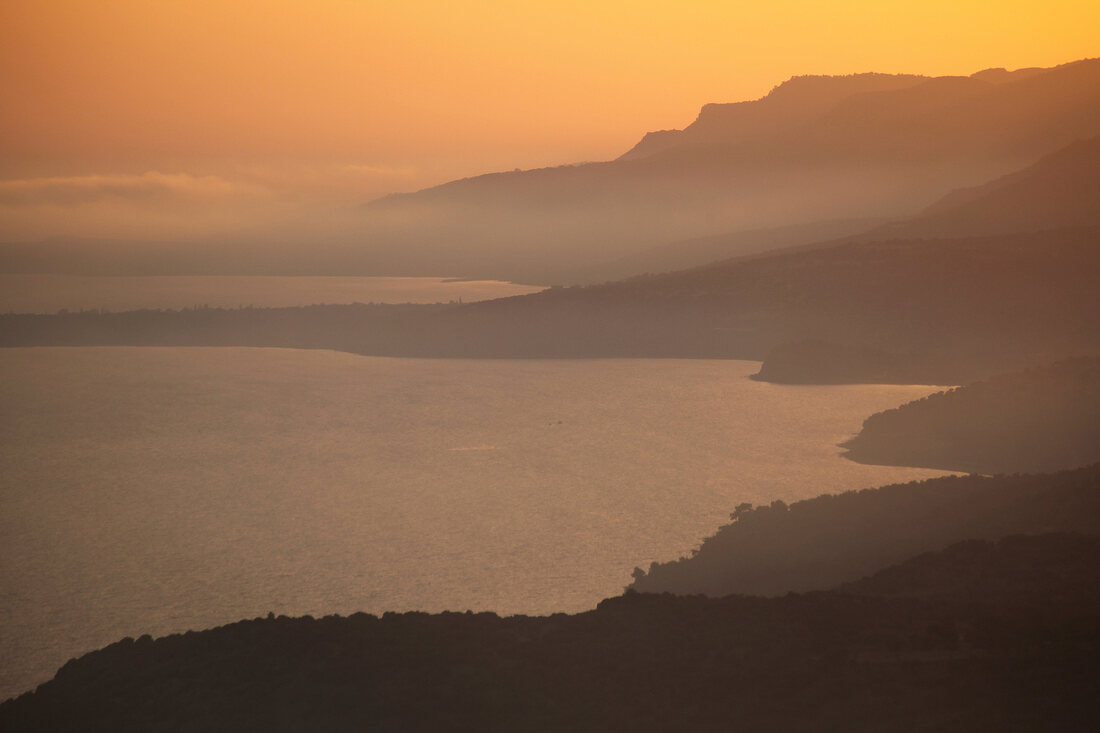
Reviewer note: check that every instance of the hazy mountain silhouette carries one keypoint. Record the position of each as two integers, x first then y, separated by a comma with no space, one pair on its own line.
762,174
790,104
1061,190
802,99
871,308
699,251
930,311
851,147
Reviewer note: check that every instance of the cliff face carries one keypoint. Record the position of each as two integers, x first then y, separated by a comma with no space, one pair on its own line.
790,104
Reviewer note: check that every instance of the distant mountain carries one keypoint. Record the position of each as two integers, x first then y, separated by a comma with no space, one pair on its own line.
797,166
1061,190
942,311
815,149
860,309
802,99
689,253
789,105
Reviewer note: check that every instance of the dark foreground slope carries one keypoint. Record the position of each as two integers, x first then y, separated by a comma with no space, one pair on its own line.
920,647
818,543
1042,419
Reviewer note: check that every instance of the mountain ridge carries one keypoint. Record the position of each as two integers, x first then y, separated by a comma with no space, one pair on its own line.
878,154
800,95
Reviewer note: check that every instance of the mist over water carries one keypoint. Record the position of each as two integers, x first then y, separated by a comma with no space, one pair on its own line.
158,490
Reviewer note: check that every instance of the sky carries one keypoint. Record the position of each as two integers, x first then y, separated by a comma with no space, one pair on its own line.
177,118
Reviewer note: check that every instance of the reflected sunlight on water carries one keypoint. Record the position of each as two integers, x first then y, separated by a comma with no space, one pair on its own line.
51,293
154,490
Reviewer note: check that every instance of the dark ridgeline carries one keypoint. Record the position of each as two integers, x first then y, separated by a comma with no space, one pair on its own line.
818,543
981,636
932,312
1042,419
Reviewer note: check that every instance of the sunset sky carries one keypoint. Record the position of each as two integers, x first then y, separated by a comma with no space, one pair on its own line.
172,118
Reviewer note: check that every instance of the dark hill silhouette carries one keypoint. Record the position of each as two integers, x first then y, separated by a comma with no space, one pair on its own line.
844,154
819,543
912,648
980,569
943,311
1042,419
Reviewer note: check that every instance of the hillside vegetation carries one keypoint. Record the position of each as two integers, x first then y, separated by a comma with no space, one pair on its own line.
1042,419
915,647
832,539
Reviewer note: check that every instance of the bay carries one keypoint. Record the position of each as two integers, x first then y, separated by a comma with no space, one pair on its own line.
156,490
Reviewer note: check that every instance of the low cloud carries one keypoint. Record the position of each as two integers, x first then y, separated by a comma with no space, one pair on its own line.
308,200
151,186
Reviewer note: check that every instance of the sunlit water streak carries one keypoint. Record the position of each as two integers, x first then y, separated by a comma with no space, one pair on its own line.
154,490
51,293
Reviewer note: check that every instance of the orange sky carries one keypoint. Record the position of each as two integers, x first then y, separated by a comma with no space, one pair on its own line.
355,98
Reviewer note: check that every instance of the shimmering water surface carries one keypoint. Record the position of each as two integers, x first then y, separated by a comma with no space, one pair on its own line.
51,293
149,490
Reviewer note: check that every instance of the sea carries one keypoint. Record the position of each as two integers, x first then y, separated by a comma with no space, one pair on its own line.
47,293
158,490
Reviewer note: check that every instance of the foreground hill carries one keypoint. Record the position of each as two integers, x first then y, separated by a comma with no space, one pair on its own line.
916,647
818,543
1043,419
